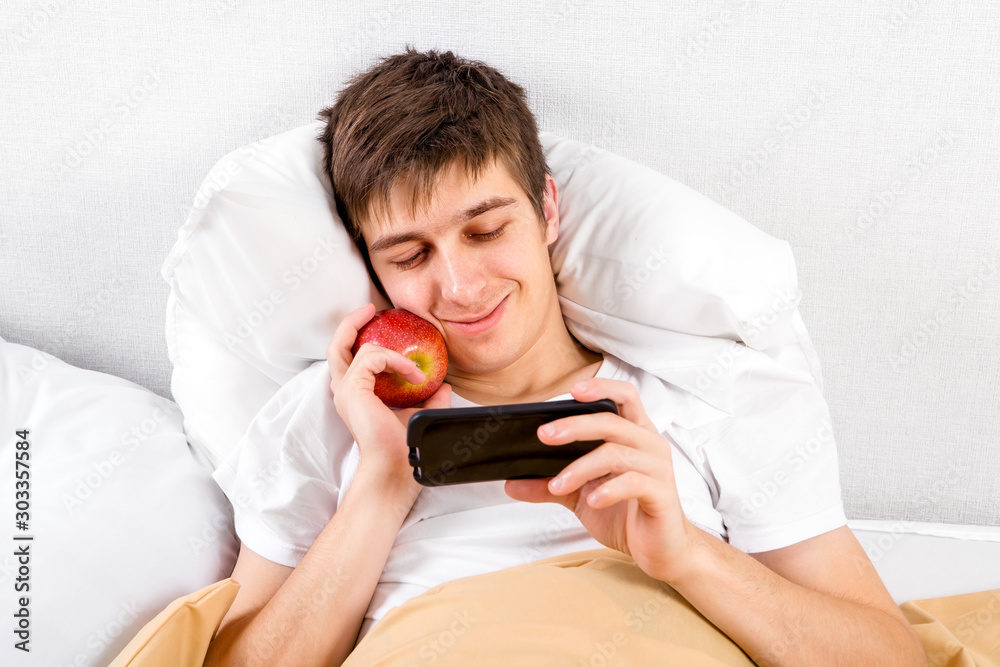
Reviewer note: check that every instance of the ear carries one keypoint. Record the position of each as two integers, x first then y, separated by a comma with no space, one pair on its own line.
550,206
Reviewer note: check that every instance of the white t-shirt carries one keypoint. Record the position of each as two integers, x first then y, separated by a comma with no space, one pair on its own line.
293,467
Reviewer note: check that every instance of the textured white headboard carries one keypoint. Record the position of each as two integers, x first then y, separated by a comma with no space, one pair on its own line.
866,135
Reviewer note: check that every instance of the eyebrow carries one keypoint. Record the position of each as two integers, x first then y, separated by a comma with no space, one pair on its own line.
488,204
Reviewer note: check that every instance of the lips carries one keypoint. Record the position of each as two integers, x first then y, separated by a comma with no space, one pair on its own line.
480,323
476,318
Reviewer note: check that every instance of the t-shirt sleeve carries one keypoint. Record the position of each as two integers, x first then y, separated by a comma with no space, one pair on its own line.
774,461
285,476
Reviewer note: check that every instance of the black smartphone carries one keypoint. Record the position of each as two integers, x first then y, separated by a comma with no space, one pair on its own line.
494,442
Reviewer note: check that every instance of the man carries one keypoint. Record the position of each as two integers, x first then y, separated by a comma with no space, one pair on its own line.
441,181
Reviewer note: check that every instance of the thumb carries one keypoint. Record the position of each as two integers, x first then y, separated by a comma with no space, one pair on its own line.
440,398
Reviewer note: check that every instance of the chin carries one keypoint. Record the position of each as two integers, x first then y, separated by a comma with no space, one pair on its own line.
488,360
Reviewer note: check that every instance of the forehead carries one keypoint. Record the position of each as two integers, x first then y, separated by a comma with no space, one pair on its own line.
455,194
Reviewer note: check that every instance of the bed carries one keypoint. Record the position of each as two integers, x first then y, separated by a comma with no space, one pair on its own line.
801,133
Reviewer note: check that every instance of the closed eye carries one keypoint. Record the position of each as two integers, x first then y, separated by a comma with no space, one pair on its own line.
491,235
407,263
486,236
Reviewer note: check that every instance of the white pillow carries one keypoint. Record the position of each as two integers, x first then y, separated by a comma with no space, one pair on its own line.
124,514
646,269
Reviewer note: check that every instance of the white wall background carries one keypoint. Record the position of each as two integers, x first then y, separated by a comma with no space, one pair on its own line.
865,134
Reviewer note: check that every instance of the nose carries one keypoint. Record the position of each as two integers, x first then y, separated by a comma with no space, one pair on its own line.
461,276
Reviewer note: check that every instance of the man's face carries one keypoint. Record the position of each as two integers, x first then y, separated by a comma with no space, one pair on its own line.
474,263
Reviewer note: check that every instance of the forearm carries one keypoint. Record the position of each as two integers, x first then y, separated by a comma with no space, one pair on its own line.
315,616
777,622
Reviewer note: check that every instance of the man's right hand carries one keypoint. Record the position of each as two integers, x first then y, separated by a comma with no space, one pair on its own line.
379,431
277,617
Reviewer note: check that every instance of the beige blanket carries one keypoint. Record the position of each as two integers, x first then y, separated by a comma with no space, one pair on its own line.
587,609
597,608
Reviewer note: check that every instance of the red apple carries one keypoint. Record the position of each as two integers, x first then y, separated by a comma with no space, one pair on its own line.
414,338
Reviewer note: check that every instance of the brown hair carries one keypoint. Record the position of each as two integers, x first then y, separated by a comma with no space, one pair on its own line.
409,117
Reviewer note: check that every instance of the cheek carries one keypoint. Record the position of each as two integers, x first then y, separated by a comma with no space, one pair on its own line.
532,264
406,293
515,261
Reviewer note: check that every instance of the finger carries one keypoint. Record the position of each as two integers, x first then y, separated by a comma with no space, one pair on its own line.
373,359
624,394
369,362
610,459
347,331
655,497
439,399
338,351
535,491
599,426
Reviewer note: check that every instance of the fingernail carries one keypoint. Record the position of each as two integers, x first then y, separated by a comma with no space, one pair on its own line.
558,482
580,387
548,430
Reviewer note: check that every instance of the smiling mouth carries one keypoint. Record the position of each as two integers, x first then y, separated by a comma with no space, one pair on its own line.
482,323
478,317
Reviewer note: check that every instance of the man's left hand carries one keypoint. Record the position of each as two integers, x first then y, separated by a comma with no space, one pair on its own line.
623,492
